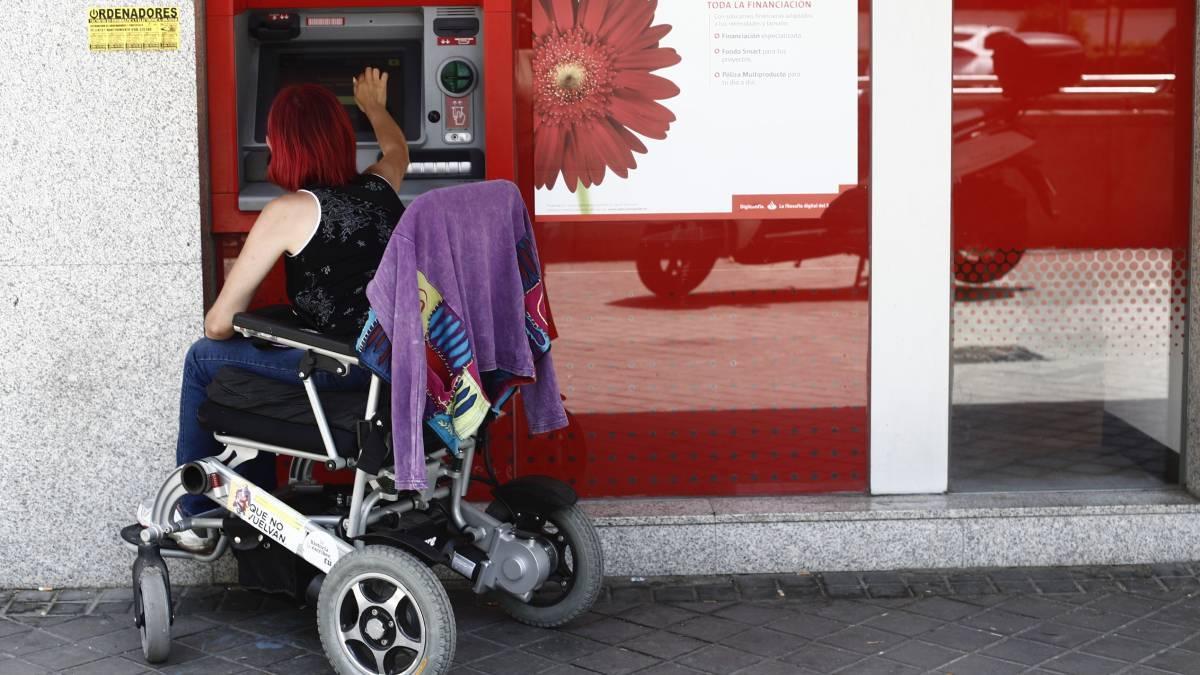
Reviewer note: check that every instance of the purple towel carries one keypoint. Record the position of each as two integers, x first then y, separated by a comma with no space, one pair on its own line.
472,247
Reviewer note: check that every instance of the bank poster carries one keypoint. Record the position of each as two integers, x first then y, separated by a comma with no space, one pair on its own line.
693,108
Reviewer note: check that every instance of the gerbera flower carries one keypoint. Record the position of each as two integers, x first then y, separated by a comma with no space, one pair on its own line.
593,88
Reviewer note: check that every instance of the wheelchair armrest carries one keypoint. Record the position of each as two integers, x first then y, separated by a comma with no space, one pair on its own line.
279,324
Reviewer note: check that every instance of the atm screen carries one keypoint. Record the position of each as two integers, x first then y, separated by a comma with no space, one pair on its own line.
333,66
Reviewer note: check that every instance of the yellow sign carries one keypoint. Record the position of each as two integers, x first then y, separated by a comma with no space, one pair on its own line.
133,28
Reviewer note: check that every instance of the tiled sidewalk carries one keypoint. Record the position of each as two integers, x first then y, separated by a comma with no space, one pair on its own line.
1079,620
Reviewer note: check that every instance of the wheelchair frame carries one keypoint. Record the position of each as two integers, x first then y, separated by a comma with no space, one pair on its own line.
516,564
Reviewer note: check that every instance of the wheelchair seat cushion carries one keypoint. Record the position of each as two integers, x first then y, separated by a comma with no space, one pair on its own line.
261,409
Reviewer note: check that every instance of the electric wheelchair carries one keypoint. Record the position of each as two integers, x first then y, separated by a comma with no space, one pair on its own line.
363,552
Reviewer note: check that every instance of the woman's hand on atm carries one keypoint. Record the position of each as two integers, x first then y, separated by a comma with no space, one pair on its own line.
370,93
370,90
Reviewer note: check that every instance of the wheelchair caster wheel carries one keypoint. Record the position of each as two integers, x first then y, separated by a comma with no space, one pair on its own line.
153,606
381,611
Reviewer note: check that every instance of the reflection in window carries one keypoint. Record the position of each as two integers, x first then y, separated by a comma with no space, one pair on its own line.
1071,125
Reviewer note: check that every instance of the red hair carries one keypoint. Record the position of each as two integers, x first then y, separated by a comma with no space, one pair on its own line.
312,140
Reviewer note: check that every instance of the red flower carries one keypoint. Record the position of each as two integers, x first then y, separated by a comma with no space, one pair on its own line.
593,87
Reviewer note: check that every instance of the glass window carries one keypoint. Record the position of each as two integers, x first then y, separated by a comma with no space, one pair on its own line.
1071,164
703,221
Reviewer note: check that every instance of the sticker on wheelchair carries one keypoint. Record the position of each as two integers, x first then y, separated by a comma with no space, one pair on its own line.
265,514
319,548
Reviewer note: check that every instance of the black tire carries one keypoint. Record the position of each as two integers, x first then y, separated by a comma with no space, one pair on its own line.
153,605
575,584
671,273
362,622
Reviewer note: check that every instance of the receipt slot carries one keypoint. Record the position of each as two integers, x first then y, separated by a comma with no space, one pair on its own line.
434,55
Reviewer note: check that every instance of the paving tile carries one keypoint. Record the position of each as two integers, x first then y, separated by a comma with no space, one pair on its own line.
717,593
1181,615
665,669
1057,586
34,596
976,664
28,642
115,643
562,647
122,594
216,639
962,638
1060,635
754,615
261,652
758,588
675,594
943,609
922,655
1148,586
1125,603
308,664
615,661
888,591
1022,651
847,612
114,608
821,658
513,662
664,645
1000,621
513,634
904,623
656,616
710,628
471,648
1121,648
846,592
773,668
804,625
880,666
1087,617
111,665
1175,661
1077,663
11,627
207,665
63,657
13,666
88,626
1015,586
1039,608
764,642
67,609
863,639
610,631
719,659
1157,631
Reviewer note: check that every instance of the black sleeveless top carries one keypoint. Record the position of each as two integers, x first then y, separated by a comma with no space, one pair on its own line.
327,280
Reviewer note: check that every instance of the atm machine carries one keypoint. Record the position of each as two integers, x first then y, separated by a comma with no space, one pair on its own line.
434,54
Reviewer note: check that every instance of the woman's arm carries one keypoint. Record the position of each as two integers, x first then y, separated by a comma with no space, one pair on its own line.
370,93
284,225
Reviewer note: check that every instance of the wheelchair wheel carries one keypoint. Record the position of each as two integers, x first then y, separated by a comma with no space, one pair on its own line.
573,586
153,606
381,612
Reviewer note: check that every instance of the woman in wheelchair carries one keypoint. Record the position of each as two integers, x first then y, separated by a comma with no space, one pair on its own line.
332,225
363,552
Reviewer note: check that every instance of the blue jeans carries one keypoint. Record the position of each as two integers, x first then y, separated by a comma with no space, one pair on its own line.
204,359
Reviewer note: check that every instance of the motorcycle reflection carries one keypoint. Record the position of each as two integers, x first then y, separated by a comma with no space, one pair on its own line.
999,191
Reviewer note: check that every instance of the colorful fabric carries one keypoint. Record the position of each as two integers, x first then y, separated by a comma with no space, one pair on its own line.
474,326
